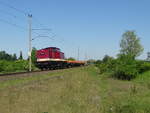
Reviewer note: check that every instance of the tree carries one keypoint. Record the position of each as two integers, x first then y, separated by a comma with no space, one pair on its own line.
5,56
130,44
14,57
107,58
33,55
20,57
98,61
2,55
71,59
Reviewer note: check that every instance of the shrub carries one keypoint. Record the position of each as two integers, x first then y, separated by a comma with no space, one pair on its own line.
111,64
143,66
9,66
106,66
107,58
103,67
97,63
13,66
125,68
125,72
23,65
2,63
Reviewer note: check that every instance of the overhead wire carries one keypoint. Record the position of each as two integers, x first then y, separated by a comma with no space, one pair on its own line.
8,13
14,8
13,24
25,13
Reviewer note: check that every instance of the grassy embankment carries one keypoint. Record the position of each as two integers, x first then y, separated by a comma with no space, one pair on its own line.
78,90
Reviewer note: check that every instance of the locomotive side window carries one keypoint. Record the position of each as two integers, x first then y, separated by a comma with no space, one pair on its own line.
53,50
56,50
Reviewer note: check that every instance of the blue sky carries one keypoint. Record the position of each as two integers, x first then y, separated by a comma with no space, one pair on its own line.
93,26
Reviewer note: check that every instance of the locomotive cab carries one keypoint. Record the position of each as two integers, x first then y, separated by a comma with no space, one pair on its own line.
51,53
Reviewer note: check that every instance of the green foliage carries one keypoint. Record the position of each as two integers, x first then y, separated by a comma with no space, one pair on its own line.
103,67
20,57
14,66
143,66
107,58
106,65
14,57
33,55
2,63
6,56
125,72
130,44
97,63
127,107
71,59
125,68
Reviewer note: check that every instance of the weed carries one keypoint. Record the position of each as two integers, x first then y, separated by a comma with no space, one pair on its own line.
148,85
133,89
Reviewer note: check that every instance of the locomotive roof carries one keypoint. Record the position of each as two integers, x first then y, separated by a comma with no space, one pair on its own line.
51,48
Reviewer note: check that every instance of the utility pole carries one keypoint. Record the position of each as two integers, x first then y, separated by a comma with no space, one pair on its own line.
85,56
78,53
30,39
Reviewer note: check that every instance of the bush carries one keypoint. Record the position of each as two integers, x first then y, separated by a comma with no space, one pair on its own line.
9,66
125,72
106,65
13,66
103,67
143,66
2,63
98,62
125,68
23,65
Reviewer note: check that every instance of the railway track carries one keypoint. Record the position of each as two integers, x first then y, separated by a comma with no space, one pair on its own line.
11,76
30,73
17,73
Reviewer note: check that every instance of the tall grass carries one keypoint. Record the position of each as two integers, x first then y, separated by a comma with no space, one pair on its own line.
78,90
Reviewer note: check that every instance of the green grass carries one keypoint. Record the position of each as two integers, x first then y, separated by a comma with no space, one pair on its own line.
17,81
77,90
126,96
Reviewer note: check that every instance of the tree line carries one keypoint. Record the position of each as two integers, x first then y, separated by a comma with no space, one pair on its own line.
12,63
10,57
13,57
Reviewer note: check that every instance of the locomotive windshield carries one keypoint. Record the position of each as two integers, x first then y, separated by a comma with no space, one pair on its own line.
56,49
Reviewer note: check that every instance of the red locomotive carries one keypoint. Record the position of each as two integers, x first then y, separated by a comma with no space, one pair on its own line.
53,58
